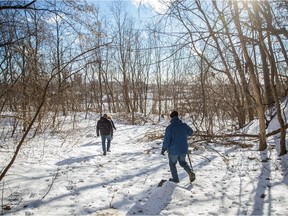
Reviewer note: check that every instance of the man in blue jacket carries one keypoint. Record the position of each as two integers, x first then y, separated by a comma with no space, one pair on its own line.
175,142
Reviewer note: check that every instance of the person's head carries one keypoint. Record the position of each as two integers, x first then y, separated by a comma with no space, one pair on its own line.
109,117
173,114
105,115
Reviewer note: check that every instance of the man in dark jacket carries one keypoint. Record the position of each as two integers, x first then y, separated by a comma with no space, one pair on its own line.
106,131
175,142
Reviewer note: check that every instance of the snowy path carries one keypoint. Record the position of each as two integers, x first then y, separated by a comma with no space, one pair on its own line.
68,175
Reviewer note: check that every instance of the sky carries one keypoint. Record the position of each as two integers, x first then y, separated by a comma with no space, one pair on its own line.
63,172
157,5
140,9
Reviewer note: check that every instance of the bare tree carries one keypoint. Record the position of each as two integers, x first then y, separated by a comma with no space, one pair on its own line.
30,80
274,74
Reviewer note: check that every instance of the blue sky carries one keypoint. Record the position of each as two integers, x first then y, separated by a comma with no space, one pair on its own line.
140,9
133,4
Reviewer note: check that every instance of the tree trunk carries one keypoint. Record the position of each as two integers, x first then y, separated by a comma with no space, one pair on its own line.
255,84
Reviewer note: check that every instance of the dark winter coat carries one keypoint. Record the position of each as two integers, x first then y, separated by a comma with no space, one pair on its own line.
175,139
104,126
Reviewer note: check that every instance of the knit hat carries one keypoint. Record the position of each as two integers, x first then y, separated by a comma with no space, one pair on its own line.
174,113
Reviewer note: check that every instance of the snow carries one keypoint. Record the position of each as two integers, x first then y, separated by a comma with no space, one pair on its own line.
64,173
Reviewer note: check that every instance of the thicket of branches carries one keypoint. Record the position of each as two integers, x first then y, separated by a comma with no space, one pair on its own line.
211,60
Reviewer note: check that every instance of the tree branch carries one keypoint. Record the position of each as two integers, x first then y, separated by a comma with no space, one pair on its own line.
27,6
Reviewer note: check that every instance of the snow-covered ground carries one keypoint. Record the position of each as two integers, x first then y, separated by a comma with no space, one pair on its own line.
65,173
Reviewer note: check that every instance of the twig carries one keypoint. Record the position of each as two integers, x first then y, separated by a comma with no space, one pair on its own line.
53,180
226,160
202,156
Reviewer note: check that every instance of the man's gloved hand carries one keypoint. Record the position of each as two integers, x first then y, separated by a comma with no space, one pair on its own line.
162,152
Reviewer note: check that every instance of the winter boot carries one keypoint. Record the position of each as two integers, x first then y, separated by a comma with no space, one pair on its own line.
192,176
172,180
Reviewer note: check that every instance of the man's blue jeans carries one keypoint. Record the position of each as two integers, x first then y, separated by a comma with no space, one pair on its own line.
182,162
104,138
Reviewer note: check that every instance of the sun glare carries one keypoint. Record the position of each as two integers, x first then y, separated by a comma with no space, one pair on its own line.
159,6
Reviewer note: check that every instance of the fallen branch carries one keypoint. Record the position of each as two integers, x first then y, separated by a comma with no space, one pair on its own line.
243,145
211,136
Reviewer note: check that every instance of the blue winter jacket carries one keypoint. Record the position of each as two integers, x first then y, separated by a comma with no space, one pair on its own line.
175,139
